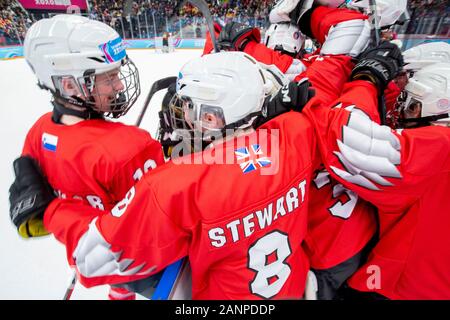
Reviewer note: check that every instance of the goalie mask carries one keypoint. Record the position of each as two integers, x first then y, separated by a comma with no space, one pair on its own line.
83,63
217,92
426,98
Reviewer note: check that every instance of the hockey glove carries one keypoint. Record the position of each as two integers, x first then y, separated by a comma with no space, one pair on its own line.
29,196
292,96
289,10
234,36
379,65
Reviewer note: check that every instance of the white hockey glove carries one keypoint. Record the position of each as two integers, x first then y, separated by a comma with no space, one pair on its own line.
289,10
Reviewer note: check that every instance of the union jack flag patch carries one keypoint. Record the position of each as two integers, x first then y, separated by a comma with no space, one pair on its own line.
251,158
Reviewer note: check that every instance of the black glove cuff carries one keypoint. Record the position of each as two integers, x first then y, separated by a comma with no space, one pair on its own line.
372,70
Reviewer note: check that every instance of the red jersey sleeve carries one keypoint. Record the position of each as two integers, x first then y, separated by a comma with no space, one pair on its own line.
257,50
389,168
323,18
268,56
113,247
327,74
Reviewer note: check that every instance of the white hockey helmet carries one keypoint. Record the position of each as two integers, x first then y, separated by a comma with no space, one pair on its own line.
231,86
285,37
388,11
425,54
428,95
71,48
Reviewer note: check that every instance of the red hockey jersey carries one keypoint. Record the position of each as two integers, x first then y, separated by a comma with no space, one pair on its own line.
406,174
96,161
340,223
241,222
92,160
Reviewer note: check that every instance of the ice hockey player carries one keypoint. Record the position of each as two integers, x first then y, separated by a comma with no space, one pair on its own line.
405,173
415,58
83,63
165,42
340,225
248,248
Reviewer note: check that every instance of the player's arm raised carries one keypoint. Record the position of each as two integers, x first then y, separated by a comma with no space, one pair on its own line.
384,166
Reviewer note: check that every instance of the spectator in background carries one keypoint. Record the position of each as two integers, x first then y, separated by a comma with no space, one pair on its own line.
427,16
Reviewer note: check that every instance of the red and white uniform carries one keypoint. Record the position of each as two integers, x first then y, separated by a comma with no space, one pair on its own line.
241,224
406,174
96,161
340,224
322,19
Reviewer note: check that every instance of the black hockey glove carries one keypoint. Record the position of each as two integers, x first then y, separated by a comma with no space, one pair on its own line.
234,36
29,196
292,96
379,65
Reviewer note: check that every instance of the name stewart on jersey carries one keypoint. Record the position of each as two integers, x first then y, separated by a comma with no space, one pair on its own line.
260,219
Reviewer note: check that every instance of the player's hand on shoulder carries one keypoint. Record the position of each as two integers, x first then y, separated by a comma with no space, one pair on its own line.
292,96
29,196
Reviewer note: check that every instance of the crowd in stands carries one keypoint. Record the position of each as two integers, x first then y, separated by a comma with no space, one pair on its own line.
148,18
130,19
13,23
429,17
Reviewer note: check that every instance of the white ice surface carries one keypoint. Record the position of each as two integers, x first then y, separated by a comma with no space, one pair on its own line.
37,268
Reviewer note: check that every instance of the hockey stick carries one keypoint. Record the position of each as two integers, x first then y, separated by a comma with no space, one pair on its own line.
203,7
158,85
167,284
69,290
374,21
376,36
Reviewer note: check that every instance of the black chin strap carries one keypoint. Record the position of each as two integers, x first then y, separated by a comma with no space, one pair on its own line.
59,110
423,121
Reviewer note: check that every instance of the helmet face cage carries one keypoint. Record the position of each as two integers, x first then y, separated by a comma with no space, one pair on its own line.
187,117
411,108
406,109
181,109
112,93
